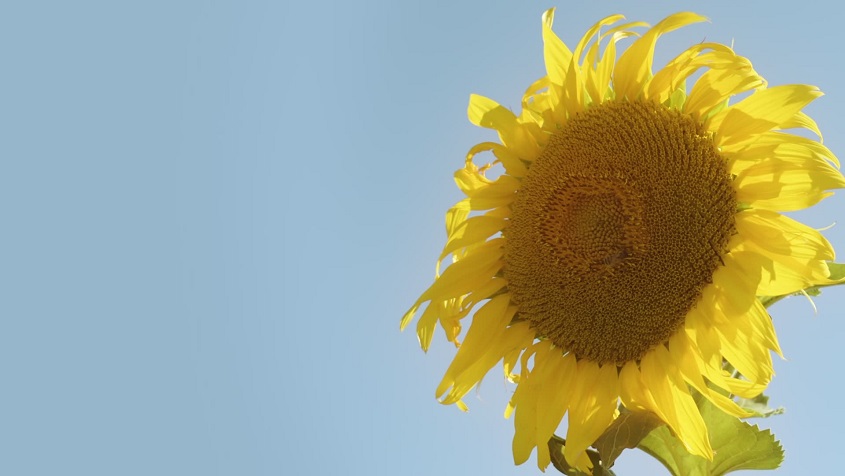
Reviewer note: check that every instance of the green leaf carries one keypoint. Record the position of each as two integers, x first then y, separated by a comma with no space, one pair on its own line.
736,444
625,432
669,450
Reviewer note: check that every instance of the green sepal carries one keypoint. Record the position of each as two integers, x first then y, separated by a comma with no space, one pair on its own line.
715,110
625,432
556,445
678,97
837,270
759,406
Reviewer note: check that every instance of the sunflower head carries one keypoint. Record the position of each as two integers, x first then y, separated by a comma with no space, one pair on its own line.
617,261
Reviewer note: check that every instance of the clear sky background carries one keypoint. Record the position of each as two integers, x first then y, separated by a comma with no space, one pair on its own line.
214,214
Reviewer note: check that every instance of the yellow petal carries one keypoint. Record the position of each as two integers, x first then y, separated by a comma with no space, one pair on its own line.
447,312
595,93
557,56
763,111
533,93
604,71
779,146
802,121
748,356
780,275
471,181
556,378
630,388
782,235
508,365
711,359
462,277
464,379
485,112
703,55
426,324
681,350
738,283
471,231
738,342
488,339
672,75
674,404
484,193
715,86
456,215
511,162
588,36
489,321
592,408
593,31
633,70
761,323
484,291
573,92
598,74
524,402
450,320
787,185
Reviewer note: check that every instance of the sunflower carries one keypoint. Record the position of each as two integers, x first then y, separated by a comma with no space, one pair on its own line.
617,259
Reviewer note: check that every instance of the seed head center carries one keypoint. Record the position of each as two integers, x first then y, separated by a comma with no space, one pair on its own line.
591,222
617,228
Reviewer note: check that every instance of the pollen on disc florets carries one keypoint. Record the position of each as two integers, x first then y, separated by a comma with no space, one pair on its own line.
617,228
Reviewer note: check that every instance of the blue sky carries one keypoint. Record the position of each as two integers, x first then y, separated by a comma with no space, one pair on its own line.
216,212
